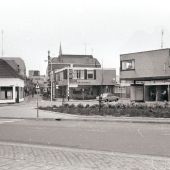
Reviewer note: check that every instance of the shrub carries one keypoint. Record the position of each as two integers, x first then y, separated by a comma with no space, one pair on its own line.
133,109
71,106
80,105
66,105
87,105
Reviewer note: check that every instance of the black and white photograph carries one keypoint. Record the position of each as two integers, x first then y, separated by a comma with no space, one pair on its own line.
84,85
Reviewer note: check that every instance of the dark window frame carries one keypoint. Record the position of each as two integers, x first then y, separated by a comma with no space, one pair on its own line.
128,69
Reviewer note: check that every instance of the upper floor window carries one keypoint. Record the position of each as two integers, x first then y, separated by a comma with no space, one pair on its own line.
90,74
128,65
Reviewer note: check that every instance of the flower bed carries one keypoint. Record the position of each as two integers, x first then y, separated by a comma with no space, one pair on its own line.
129,110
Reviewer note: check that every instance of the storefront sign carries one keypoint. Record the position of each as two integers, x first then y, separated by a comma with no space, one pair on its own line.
73,85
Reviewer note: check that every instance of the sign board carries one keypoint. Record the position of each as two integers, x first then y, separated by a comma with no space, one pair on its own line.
73,85
37,86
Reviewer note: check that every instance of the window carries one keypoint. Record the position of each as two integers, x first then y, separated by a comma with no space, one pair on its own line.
21,92
128,65
6,93
82,74
90,74
78,74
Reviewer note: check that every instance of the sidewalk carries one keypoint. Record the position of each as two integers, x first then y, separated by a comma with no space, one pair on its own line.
35,157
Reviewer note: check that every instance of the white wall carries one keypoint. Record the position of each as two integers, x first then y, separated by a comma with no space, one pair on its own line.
13,82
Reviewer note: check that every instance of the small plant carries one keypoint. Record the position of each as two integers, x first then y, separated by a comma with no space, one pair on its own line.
66,105
87,106
72,106
80,106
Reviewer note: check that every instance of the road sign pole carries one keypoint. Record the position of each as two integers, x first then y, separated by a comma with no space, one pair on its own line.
37,106
37,90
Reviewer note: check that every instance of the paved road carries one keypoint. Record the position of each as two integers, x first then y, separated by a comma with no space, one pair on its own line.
132,138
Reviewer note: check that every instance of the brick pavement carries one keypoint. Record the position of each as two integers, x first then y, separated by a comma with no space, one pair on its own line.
34,157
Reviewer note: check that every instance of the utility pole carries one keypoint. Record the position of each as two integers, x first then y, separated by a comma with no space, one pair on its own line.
37,90
68,83
101,90
85,48
2,34
162,34
50,76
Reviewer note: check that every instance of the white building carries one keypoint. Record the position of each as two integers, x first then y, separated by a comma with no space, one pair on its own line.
11,84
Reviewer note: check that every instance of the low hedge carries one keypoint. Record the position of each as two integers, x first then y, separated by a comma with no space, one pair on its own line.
130,110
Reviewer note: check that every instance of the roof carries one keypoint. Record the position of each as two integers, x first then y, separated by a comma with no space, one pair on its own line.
65,60
145,51
14,62
6,71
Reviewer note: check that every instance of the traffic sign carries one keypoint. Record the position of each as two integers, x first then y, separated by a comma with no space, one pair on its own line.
37,86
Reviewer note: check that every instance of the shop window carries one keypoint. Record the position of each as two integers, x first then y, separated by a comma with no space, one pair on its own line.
128,65
21,92
6,93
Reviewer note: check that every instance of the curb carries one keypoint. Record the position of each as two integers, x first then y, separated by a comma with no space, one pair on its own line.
91,120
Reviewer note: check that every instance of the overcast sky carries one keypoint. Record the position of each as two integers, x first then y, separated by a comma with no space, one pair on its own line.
107,28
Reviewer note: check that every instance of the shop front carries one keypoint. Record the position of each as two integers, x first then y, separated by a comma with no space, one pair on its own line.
11,90
157,93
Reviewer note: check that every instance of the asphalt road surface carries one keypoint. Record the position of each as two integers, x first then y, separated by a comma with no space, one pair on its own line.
134,138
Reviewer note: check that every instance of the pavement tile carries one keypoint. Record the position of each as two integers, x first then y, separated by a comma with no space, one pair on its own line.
34,157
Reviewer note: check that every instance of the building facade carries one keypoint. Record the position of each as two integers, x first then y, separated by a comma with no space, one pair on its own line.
84,82
11,84
147,73
67,60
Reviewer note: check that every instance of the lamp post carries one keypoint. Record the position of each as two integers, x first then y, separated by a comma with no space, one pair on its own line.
51,74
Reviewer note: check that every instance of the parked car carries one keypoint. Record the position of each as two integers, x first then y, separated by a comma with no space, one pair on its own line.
108,97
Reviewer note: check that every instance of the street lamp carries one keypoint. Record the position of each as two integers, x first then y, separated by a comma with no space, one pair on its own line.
51,73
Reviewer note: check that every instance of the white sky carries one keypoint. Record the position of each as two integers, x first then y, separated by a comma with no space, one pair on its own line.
107,27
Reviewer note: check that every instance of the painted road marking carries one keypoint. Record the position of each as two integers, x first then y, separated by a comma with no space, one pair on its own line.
140,133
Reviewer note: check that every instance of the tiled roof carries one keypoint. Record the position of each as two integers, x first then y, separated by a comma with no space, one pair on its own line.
77,60
6,71
14,62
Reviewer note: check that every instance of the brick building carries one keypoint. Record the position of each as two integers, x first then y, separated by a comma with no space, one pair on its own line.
84,82
82,66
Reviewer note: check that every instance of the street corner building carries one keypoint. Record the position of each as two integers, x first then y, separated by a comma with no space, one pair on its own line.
11,81
147,73
79,76
84,82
